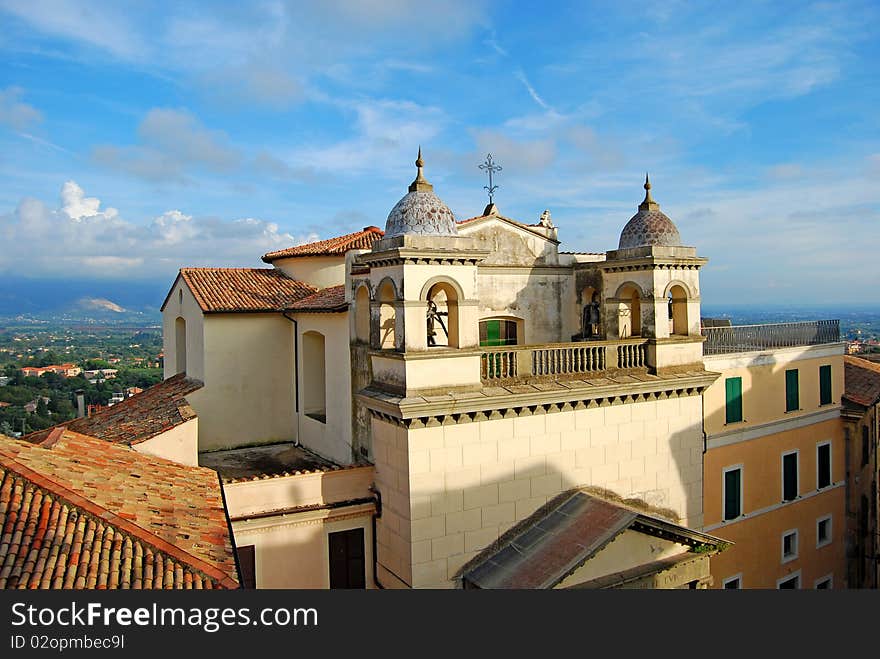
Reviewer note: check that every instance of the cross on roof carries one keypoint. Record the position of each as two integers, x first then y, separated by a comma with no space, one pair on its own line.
491,168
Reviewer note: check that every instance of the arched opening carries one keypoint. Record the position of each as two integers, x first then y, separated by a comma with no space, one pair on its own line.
442,315
314,377
591,318
678,320
630,312
180,345
387,315
362,314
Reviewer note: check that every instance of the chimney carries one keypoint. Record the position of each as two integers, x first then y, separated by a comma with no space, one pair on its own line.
80,403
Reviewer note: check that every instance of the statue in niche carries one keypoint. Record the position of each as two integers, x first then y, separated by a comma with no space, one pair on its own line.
435,316
590,319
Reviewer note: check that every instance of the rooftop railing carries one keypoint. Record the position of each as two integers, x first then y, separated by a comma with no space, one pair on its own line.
746,338
561,359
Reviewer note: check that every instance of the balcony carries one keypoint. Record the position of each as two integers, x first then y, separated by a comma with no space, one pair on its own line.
555,360
747,338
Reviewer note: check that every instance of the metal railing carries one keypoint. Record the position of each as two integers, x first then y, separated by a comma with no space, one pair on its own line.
745,338
561,359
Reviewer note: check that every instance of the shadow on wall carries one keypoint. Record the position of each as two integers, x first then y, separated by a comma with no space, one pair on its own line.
450,524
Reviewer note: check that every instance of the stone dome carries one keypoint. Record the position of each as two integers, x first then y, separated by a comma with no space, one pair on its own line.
650,226
420,212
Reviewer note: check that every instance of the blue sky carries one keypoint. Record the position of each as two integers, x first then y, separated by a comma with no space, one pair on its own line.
136,138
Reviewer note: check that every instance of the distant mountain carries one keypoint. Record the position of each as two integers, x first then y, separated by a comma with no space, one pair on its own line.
81,298
98,304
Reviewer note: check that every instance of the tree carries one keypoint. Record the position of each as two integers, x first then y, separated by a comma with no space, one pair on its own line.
42,407
6,428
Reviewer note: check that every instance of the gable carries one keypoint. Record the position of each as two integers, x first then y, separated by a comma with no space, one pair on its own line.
509,242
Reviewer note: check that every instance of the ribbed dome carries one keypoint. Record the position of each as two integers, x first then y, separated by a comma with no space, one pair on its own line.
420,212
650,226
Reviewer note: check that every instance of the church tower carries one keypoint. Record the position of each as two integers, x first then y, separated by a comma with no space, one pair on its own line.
422,284
652,289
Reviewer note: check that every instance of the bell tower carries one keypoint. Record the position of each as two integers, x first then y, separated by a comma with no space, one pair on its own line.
652,289
424,325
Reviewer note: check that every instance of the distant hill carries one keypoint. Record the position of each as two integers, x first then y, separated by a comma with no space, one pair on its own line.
81,298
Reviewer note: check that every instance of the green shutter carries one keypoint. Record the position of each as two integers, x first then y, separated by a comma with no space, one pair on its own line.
734,409
493,332
792,396
789,477
732,484
825,385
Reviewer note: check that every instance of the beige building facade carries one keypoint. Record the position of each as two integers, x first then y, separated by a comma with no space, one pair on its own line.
775,473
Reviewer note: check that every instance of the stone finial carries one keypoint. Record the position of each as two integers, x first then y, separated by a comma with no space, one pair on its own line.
648,204
545,220
420,183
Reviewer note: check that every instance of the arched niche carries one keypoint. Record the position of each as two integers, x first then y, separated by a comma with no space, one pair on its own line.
677,297
314,376
386,296
629,311
442,319
362,314
180,345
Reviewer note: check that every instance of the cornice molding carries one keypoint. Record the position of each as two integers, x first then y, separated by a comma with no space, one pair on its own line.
446,410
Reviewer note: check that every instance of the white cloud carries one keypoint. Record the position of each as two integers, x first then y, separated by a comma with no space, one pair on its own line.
79,239
14,113
97,24
173,143
78,207
387,133
525,81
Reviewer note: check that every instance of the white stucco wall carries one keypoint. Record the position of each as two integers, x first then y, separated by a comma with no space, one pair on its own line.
542,297
292,551
333,438
183,306
319,271
179,444
248,395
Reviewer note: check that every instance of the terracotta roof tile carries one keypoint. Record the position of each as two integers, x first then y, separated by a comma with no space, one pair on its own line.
861,380
232,290
362,239
84,513
138,418
326,300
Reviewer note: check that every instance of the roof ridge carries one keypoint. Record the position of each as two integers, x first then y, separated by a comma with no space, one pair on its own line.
335,245
108,516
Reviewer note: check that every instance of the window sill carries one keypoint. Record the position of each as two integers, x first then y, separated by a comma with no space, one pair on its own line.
320,417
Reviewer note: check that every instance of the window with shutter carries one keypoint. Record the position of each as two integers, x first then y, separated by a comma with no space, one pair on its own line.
347,559
789,476
825,385
733,409
823,465
792,396
732,493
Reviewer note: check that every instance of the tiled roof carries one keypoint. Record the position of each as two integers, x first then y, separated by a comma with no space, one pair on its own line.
362,239
326,300
79,512
861,380
541,550
232,290
138,418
